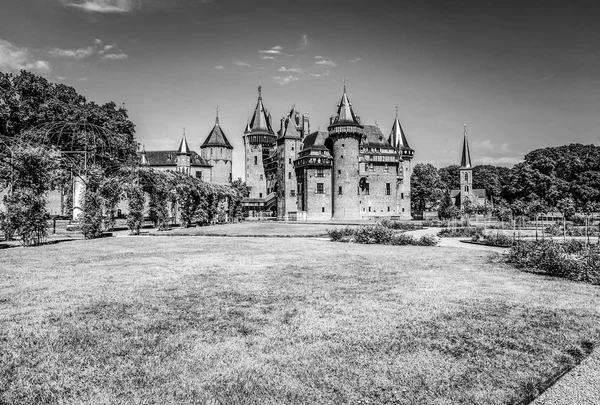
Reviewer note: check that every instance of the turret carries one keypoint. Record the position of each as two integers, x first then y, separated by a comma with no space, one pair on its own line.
345,135
217,150
184,156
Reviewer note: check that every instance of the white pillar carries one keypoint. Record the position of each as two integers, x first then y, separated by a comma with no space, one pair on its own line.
78,187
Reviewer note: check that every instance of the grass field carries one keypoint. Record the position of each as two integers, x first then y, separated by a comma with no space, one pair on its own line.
178,320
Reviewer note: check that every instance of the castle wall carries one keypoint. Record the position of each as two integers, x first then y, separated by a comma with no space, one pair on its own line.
345,175
255,173
317,204
404,208
287,198
221,160
383,194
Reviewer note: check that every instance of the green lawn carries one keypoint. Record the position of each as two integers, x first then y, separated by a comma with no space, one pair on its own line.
172,320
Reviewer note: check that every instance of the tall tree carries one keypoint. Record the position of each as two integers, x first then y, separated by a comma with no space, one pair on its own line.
426,187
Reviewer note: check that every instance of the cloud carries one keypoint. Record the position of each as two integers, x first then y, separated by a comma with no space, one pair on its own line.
284,80
82,79
326,62
104,6
328,73
76,54
292,70
14,58
219,67
266,57
242,64
355,60
276,50
318,57
61,78
489,145
114,56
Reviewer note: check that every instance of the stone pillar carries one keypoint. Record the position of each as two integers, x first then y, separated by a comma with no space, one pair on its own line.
78,189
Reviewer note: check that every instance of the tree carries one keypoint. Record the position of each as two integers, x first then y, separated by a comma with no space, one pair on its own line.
450,177
426,189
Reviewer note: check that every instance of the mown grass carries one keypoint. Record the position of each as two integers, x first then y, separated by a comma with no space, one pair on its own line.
260,229
171,320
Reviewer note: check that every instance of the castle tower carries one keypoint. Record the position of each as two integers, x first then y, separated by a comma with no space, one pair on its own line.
398,140
217,151
288,146
259,138
345,136
466,172
184,156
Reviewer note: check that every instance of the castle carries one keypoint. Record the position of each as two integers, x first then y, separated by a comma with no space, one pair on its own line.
351,171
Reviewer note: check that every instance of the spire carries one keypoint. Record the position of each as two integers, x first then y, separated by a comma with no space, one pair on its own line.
345,114
143,158
217,117
247,130
184,149
465,161
397,137
217,137
261,120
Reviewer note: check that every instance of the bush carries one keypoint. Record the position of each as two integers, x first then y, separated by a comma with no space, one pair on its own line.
573,260
26,216
402,226
379,234
498,239
460,232
427,240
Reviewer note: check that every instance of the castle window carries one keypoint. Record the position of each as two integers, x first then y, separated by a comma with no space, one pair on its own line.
387,168
199,175
367,189
369,209
289,175
402,209
261,177
402,196
388,189
467,189
255,160
292,148
388,209
466,176
320,188
322,209
339,174
320,173
259,195
343,145
340,190
342,156
371,167
290,160
292,193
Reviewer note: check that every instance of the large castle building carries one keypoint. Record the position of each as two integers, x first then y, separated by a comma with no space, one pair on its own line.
349,172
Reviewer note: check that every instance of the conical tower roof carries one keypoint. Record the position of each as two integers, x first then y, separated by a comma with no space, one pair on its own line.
216,137
261,122
397,137
184,148
143,157
465,160
345,114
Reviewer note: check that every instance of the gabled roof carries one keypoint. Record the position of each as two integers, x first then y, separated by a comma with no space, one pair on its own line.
478,192
261,120
168,158
184,148
397,137
345,114
216,137
465,160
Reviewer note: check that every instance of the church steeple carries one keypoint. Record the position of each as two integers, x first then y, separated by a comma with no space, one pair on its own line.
465,161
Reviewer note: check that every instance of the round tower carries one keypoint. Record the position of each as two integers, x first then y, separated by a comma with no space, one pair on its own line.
217,151
345,136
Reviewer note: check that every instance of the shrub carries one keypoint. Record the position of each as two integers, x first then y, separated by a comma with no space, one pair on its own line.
427,240
397,225
401,239
572,260
26,216
498,239
135,205
373,234
379,234
460,232
340,235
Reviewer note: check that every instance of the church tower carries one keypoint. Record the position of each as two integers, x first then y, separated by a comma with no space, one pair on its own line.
184,156
217,151
466,172
345,135
405,153
259,138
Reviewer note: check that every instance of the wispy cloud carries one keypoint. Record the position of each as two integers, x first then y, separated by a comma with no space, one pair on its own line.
326,62
328,73
275,50
14,58
284,80
76,54
82,79
219,67
318,57
115,56
242,64
355,60
104,6
266,57
292,70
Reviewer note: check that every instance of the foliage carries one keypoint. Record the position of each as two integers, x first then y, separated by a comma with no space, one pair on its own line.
91,218
450,177
379,234
426,187
398,225
135,204
111,193
32,171
491,239
573,260
462,232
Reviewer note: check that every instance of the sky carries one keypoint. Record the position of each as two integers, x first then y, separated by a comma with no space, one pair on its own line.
521,74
